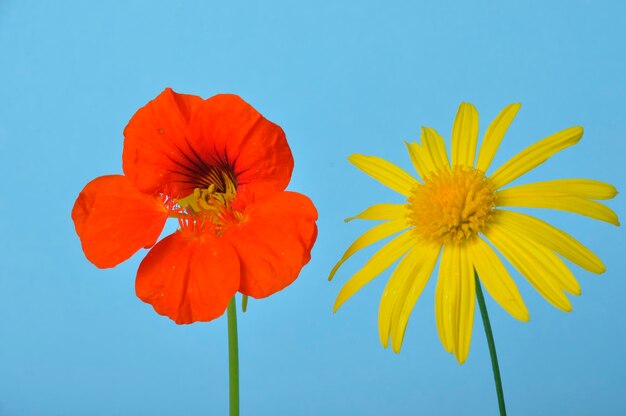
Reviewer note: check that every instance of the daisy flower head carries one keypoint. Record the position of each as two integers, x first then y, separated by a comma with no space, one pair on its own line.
455,213
218,168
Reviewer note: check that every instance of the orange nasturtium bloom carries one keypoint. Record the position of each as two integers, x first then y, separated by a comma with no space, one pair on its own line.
220,168
456,213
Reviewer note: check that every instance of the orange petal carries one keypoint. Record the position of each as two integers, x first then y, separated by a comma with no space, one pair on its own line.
273,241
114,220
155,147
226,130
189,278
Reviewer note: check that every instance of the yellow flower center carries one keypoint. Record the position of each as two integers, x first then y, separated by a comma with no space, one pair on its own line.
211,206
452,206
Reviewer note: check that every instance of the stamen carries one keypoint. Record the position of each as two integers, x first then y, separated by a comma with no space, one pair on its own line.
452,206
209,208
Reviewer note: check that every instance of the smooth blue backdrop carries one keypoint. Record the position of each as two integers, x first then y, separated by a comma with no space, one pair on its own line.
340,77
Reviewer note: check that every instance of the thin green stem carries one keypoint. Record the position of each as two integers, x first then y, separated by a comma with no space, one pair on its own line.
492,345
233,358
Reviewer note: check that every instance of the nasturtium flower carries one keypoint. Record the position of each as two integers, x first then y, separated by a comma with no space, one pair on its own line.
220,169
455,213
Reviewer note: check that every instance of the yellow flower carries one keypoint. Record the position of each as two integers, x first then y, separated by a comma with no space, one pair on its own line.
456,210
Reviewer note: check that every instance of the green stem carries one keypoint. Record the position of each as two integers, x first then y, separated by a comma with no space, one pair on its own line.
233,358
492,345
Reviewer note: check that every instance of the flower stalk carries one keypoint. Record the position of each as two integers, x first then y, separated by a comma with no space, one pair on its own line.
233,358
492,345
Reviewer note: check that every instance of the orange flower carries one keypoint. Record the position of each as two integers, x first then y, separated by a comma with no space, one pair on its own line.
220,168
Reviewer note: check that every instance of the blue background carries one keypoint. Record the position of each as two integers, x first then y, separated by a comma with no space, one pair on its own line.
340,78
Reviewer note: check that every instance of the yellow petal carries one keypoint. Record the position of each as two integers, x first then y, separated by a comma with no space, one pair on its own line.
434,144
529,260
494,135
422,166
370,237
455,299
422,271
496,279
554,239
592,209
395,291
385,172
380,261
431,156
395,311
581,188
427,157
550,261
467,302
535,155
382,212
465,136
447,296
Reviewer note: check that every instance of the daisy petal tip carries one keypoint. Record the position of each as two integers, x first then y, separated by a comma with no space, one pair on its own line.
460,358
461,353
524,316
611,191
396,342
353,158
612,218
383,341
513,109
333,271
521,313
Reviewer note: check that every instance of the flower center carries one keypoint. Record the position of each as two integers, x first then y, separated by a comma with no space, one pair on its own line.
210,206
452,206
